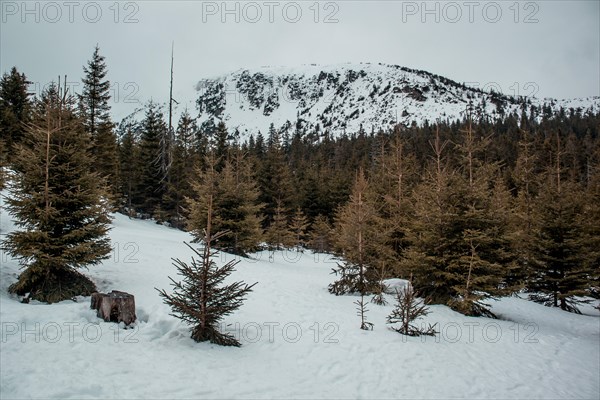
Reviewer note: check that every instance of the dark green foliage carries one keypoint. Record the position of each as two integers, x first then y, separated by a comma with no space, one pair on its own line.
184,158
152,182
95,112
561,273
2,164
201,299
237,210
320,235
129,168
356,237
523,214
62,284
232,194
298,228
591,231
93,101
278,235
459,242
220,145
465,222
59,204
274,180
15,111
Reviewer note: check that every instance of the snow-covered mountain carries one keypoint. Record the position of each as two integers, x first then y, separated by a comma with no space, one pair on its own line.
341,98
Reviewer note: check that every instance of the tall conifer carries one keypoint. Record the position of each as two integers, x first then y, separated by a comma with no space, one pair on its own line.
59,203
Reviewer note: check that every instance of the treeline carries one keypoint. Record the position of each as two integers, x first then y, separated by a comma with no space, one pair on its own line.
467,210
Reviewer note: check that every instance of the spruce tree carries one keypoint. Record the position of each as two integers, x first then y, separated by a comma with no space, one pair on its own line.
201,299
205,190
237,210
151,183
523,217
361,311
320,235
59,204
234,201
2,164
220,145
458,239
298,227
355,239
561,275
483,221
395,178
408,309
278,235
95,111
182,165
15,110
129,167
590,224
274,178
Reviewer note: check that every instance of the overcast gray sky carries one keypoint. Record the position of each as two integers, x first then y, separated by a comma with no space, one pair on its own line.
541,48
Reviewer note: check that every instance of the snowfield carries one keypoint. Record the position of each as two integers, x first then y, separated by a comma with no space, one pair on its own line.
298,341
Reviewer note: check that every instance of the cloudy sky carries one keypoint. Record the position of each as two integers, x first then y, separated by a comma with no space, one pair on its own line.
541,48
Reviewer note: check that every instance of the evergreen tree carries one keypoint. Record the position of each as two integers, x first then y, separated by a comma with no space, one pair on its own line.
129,168
180,174
426,259
59,203
395,179
298,227
2,164
278,235
355,239
409,309
220,145
234,196
151,184
361,311
237,209
201,299
320,235
458,240
95,112
561,274
15,110
590,221
274,179
205,191
523,221
483,221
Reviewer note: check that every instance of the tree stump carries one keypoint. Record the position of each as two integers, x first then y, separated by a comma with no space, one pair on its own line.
114,306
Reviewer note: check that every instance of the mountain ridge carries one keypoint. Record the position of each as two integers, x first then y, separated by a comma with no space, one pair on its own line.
346,97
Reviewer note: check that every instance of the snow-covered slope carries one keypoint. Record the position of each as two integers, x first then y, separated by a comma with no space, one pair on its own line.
298,341
341,98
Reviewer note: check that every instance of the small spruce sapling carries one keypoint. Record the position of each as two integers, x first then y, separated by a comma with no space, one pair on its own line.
379,295
407,310
201,300
361,311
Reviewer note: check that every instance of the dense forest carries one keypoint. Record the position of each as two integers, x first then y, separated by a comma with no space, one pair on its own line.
467,210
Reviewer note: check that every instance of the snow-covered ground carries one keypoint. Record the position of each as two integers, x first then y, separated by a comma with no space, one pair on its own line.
298,341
